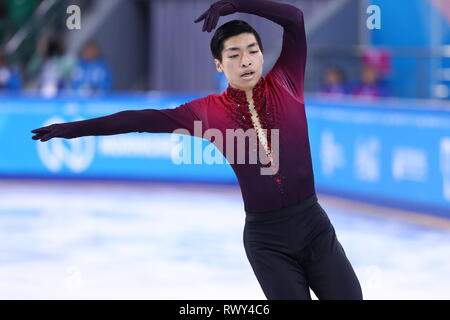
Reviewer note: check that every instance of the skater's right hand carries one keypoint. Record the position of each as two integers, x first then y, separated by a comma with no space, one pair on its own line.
56,130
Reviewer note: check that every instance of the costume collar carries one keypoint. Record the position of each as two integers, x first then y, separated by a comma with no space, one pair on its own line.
239,96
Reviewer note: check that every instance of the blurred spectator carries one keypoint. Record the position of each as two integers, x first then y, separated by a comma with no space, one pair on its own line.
370,85
334,85
10,78
54,68
378,58
91,75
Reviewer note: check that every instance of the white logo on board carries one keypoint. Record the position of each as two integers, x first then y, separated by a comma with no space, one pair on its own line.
331,154
76,154
367,159
409,164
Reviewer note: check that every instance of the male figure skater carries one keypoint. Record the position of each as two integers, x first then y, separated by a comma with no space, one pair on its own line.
288,238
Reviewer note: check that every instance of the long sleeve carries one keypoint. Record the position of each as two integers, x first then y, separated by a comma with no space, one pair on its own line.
146,120
289,69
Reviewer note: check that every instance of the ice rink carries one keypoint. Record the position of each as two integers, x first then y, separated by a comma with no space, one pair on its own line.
117,240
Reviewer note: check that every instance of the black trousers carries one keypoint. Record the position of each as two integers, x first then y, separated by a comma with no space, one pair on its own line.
295,248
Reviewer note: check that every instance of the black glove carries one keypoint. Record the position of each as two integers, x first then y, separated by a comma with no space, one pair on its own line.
56,130
147,120
215,11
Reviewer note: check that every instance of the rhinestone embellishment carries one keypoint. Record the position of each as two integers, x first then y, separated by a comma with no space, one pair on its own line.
240,112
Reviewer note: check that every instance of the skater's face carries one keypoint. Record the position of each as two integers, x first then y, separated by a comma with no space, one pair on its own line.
240,54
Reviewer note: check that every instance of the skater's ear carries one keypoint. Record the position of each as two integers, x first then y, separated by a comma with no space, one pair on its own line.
219,66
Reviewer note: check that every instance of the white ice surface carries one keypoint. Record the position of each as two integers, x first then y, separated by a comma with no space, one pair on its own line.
65,240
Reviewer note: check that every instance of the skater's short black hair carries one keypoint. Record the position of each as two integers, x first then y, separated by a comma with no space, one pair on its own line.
227,30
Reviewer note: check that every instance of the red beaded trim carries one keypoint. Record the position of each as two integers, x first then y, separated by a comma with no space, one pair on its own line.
240,112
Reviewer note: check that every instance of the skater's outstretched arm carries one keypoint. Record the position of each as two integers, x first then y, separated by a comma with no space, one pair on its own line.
289,69
146,120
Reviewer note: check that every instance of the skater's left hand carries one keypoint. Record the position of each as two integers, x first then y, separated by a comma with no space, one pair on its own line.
215,11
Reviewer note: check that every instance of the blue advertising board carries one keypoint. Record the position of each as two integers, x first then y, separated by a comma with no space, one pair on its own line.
136,156
389,152
396,152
